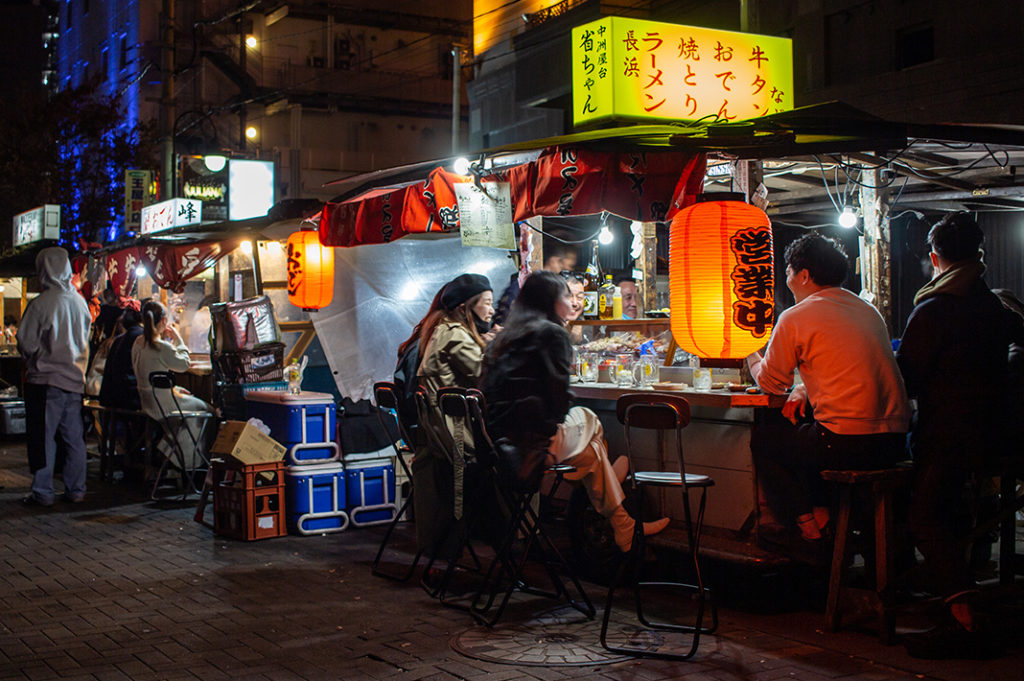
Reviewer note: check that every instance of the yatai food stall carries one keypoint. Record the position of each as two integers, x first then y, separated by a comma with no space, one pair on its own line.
716,115
853,159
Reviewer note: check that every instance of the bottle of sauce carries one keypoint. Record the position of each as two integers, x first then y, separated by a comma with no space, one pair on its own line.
617,304
593,281
606,299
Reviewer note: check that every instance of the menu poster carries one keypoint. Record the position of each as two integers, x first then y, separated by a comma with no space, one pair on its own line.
485,214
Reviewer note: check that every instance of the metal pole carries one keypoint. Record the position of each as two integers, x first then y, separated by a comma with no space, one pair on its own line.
456,94
241,63
167,102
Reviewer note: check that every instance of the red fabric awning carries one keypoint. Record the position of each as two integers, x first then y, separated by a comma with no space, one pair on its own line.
169,265
562,181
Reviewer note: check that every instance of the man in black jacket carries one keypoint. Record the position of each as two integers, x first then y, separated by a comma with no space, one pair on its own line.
953,357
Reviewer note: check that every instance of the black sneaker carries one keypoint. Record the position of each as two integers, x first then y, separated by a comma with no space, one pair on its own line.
950,641
72,498
32,500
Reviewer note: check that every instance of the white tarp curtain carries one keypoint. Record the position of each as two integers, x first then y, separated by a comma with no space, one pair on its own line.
381,291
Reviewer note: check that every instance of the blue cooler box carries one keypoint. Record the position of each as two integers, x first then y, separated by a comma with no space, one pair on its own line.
304,423
315,498
370,485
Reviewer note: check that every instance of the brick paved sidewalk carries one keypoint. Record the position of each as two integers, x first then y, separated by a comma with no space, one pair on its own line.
123,588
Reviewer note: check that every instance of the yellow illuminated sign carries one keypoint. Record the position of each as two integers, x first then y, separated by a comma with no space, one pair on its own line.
642,70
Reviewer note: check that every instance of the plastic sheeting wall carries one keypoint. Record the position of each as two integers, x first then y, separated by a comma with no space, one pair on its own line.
381,292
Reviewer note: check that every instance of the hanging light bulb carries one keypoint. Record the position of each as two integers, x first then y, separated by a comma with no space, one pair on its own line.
848,218
140,271
461,166
605,236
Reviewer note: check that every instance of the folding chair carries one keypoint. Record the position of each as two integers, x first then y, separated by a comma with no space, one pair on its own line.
386,396
457,536
505,574
172,423
661,413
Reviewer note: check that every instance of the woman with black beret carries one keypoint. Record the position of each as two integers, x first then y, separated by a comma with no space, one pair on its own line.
456,337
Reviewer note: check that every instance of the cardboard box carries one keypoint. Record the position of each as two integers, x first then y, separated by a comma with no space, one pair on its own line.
245,443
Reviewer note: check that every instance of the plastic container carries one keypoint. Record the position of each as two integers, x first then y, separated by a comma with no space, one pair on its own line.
304,423
316,498
248,500
371,491
12,417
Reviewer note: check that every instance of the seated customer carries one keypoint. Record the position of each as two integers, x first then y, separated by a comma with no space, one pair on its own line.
840,345
954,358
161,348
119,388
525,381
452,344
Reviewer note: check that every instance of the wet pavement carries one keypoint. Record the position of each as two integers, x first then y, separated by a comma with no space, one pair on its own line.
121,587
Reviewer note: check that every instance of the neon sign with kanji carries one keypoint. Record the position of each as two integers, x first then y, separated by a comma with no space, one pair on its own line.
635,69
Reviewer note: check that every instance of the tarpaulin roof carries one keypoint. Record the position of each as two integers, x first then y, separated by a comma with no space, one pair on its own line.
817,150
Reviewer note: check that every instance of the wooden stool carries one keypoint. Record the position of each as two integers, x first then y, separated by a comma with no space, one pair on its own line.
881,484
1009,470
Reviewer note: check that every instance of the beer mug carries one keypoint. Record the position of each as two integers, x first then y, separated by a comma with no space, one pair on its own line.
588,365
623,368
645,371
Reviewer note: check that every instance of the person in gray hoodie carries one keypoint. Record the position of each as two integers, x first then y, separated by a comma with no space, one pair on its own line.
54,343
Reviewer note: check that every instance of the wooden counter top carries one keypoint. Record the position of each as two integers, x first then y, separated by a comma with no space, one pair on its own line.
711,398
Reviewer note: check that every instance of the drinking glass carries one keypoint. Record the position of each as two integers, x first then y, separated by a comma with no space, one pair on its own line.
588,368
623,371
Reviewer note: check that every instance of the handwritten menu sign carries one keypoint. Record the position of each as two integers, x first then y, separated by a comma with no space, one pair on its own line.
485,214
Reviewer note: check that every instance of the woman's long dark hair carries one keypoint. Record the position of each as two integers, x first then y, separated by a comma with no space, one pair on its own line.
535,302
153,312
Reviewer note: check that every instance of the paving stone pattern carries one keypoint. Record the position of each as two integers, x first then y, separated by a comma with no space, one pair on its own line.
120,587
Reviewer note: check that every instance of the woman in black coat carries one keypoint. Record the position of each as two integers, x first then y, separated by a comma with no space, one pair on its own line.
525,382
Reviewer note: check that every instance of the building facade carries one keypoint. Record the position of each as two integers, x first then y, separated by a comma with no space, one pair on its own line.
323,89
922,61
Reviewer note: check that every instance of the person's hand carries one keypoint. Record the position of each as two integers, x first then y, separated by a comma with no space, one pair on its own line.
795,407
489,336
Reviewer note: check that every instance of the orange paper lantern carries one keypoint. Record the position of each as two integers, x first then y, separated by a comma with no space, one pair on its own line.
310,271
721,277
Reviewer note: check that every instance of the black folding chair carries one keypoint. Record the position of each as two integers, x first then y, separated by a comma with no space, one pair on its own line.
172,424
661,413
505,575
386,396
456,539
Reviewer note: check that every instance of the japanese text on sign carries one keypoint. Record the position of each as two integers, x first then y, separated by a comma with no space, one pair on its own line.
753,279
137,195
173,213
485,214
636,69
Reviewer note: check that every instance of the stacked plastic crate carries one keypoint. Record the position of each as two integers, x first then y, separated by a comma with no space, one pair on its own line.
246,352
315,483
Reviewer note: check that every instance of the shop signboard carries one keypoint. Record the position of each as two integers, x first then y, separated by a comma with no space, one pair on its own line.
251,193
37,224
138,193
633,69
170,214
230,189
205,178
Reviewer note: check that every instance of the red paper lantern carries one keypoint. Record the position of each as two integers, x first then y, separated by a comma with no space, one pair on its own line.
721,277
310,271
